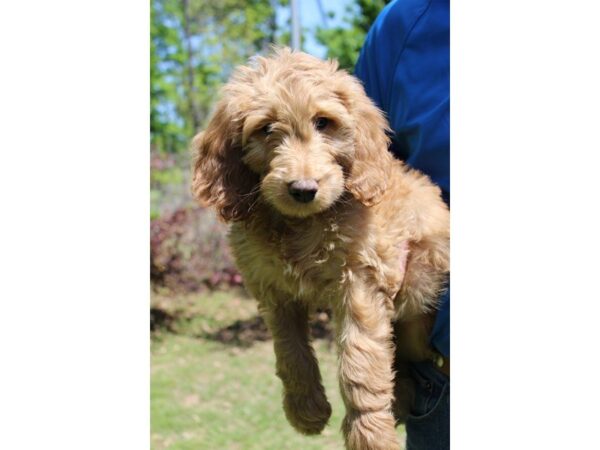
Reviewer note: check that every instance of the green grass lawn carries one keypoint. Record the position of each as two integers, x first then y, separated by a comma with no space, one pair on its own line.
206,394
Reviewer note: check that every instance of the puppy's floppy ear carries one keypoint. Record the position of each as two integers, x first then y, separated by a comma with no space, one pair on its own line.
220,178
370,169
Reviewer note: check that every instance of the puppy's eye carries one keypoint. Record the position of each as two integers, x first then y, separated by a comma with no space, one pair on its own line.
267,129
321,123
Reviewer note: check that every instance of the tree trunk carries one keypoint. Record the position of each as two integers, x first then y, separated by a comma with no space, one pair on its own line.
189,67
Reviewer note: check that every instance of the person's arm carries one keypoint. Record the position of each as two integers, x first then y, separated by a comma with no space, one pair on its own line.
404,67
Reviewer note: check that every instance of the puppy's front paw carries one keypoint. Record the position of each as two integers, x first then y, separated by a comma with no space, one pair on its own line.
307,413
372,430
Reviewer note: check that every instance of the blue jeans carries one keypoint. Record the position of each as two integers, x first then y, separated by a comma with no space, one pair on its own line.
428,425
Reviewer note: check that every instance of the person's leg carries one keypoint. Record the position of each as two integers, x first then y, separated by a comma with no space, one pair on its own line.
428,425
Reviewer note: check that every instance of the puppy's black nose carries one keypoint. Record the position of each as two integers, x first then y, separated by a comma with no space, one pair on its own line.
303,191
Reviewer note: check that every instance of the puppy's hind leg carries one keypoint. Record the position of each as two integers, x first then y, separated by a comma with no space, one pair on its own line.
404,391
411,339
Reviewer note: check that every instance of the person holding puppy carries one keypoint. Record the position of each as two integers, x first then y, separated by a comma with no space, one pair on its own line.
404,66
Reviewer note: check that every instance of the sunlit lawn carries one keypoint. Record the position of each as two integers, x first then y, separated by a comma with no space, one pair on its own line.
210,395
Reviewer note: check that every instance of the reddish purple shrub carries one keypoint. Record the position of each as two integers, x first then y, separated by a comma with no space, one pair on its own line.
189,252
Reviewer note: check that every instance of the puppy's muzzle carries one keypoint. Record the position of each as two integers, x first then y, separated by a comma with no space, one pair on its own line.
303,191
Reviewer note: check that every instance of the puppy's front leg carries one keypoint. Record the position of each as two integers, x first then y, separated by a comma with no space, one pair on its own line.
305,404
366,377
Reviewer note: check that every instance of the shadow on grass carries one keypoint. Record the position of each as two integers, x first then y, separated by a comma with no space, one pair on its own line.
240,333
244,333
227,317
162,320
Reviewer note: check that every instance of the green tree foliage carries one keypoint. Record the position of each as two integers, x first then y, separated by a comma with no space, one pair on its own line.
344,42
194,46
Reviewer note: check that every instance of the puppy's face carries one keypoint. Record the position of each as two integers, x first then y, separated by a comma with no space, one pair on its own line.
295,131
298,138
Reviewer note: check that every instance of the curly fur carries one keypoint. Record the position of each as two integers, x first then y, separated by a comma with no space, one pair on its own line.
373,245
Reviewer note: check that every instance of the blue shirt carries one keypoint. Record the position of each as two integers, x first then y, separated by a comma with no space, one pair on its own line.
405,67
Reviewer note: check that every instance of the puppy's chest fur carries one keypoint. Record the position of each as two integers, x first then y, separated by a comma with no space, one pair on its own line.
304,260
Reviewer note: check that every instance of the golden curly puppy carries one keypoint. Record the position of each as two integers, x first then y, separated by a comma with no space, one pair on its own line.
296,158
